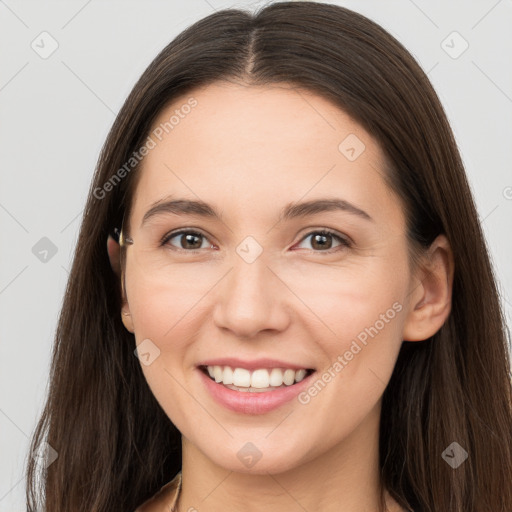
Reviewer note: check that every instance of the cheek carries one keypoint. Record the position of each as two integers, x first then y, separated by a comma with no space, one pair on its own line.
170,310
358,321
166,314
367,340
348,299
160,296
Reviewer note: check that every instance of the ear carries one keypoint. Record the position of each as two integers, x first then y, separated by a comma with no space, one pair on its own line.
431,297
113,250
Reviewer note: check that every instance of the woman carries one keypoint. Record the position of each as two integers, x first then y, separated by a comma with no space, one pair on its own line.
281,297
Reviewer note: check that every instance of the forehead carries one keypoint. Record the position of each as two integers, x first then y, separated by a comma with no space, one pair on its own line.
262,120
253,145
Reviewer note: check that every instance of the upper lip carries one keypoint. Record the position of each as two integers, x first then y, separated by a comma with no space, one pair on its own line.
255,364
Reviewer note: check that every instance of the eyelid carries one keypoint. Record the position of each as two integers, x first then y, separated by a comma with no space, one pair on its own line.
344,240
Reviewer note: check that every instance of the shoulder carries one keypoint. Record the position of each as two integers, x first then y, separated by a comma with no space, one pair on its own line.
165,497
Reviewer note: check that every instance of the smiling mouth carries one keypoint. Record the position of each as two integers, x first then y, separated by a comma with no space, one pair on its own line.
258,381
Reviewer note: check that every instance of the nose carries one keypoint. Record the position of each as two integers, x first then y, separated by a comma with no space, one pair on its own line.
251,299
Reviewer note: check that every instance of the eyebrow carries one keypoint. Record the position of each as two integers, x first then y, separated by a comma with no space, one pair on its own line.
290,211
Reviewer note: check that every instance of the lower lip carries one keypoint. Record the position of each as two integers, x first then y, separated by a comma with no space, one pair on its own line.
253,403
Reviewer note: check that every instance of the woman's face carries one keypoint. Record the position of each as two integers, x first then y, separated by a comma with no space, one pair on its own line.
256,283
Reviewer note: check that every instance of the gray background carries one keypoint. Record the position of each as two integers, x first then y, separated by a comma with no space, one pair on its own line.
55,114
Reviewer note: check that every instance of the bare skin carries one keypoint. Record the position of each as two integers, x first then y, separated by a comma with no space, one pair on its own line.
249,152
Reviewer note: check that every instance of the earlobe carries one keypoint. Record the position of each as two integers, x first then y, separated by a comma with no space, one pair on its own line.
431,299
126,317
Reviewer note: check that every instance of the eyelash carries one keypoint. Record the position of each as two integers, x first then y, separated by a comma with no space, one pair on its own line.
344,242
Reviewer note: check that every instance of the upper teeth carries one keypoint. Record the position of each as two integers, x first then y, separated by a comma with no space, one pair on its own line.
261,378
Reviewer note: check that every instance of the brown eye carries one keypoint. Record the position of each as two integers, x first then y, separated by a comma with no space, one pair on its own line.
188,240
323,240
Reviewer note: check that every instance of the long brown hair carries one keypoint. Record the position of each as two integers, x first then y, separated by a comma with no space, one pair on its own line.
116,446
